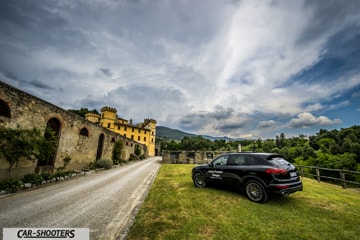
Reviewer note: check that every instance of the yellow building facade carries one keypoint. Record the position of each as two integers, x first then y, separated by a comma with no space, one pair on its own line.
143,133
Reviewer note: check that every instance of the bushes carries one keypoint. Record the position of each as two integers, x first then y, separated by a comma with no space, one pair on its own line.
133,157
10,186
33,178
46,176
14,185
104,163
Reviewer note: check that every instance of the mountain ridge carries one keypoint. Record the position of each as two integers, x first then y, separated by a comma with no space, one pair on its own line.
175,134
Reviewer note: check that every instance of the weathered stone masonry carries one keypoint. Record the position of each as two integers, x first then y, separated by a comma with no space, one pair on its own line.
189,157
79,139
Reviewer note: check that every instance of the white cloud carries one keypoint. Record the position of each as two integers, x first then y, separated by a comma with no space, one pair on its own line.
305,120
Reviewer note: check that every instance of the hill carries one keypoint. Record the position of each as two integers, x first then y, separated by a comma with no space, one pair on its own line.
174,134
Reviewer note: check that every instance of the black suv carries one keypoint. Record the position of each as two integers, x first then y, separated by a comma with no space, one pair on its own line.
258,174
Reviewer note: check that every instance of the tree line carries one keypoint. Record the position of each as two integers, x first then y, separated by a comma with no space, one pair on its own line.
337,149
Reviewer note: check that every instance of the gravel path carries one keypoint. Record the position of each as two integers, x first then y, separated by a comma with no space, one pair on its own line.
106,202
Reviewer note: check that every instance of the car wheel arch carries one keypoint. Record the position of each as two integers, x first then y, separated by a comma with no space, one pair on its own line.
245,179
198,171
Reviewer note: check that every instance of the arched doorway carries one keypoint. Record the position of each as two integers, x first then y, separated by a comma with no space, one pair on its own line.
4,109
100,147
47,156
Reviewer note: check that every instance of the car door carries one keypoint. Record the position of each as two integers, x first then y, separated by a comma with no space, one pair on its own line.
215,170
233,170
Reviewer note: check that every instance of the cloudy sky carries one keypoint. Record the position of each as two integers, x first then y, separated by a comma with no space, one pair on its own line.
240,68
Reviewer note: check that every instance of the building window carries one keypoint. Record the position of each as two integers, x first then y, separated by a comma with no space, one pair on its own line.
132,129
109,125
139,130
144,139
125,128
118,127
138,138
113,140
132,137
152,140
125,135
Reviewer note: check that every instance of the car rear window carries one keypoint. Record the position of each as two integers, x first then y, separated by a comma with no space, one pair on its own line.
280,162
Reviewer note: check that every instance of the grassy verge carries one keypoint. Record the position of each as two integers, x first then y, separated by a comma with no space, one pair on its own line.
175,209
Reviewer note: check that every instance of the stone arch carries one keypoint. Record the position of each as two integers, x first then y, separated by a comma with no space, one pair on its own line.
4,109
84,132
52,131
54,125
100,146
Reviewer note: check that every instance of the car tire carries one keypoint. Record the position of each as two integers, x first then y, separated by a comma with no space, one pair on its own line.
199,180
255,191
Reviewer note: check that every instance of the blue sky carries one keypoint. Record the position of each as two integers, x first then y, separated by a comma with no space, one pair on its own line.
242,69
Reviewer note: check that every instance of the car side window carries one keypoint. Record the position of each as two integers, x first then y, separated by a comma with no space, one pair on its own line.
236,160
220,160
252,160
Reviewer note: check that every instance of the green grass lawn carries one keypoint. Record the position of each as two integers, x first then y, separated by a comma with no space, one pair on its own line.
176,209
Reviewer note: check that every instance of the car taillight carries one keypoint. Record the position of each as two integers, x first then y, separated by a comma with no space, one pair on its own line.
282,186
276,171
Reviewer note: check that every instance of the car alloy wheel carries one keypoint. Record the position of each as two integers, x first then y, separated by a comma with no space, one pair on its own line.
255,191
199,180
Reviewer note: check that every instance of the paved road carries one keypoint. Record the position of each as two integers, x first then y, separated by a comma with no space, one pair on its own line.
105,202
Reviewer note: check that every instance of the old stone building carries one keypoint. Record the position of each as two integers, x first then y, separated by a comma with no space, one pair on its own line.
81,140
143,133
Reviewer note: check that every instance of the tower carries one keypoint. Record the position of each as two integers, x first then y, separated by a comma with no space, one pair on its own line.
108,117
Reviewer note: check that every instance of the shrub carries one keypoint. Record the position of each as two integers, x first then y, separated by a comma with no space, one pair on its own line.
117,150
10,186
137,150
46,176
133,156
104,163
33,178
92,165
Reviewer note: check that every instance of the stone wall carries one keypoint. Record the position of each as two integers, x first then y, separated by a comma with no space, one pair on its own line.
189,157
27,111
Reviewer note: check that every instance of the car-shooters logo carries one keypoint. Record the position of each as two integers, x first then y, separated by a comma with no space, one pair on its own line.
46,233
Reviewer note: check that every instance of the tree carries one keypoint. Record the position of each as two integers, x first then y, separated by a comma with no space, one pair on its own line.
280,141
117,152
19,143
47,148
83,111
137,150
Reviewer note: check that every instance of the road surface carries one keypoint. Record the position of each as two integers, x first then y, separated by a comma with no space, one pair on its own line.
105,202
